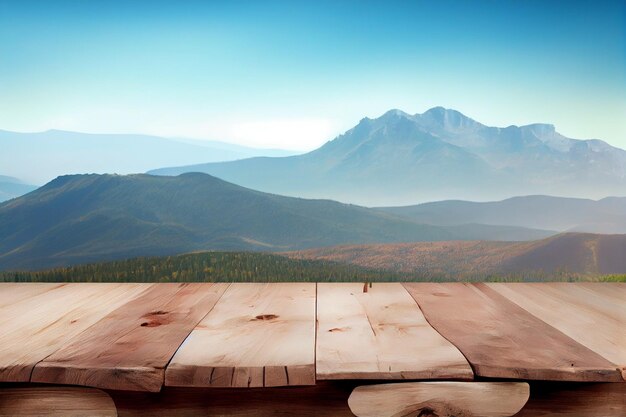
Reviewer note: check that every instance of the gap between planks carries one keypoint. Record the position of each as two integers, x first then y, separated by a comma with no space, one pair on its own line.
199,321
42,322
502,340
380,334
258,334
129,348
593,314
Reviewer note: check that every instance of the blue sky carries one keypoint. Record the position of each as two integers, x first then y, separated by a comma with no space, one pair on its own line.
294,74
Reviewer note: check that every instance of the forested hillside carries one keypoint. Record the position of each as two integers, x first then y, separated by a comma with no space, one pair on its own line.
564,255
254,267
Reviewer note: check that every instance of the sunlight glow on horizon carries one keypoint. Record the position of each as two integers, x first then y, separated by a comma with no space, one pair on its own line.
291,75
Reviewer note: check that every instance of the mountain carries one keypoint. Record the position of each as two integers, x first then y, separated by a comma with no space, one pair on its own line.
607,215
12,187
577,253
400,159
87,218
40,157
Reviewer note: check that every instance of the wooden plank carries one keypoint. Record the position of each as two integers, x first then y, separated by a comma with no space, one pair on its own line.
380,334
593,315
615,296
130,347
502,340
257,335
441,399
36,326
13,292
613,292
56,402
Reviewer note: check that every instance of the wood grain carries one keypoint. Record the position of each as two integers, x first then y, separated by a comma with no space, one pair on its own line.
330,399
257,335
13,292
130,347
56,402
593,315
380,334
37,325
502,340
575,400
441,399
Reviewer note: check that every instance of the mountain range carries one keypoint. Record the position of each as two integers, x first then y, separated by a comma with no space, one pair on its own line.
87,218
400,159
40,157
607,215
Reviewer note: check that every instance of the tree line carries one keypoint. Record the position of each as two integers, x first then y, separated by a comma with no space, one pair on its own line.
257,267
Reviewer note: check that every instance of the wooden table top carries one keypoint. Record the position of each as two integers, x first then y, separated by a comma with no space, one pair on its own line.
141,337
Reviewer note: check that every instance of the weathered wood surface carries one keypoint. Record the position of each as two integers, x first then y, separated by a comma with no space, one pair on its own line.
575,400
55,402
330,399
122,336
129,348
380,334
593,314
39,323
500,339
13,293
257,335
441,399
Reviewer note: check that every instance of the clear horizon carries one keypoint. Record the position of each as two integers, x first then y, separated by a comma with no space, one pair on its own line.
293,76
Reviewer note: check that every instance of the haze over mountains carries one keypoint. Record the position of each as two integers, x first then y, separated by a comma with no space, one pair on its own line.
607,215
37,158
400,159
395,158
12,187
87,218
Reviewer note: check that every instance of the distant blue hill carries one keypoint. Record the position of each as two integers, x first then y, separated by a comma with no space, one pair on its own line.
607,215
400,159
40,157
12,187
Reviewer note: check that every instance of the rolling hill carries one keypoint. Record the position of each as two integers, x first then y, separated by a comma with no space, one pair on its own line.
568,253
400,159
41,157
607,215
12,187
88,218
